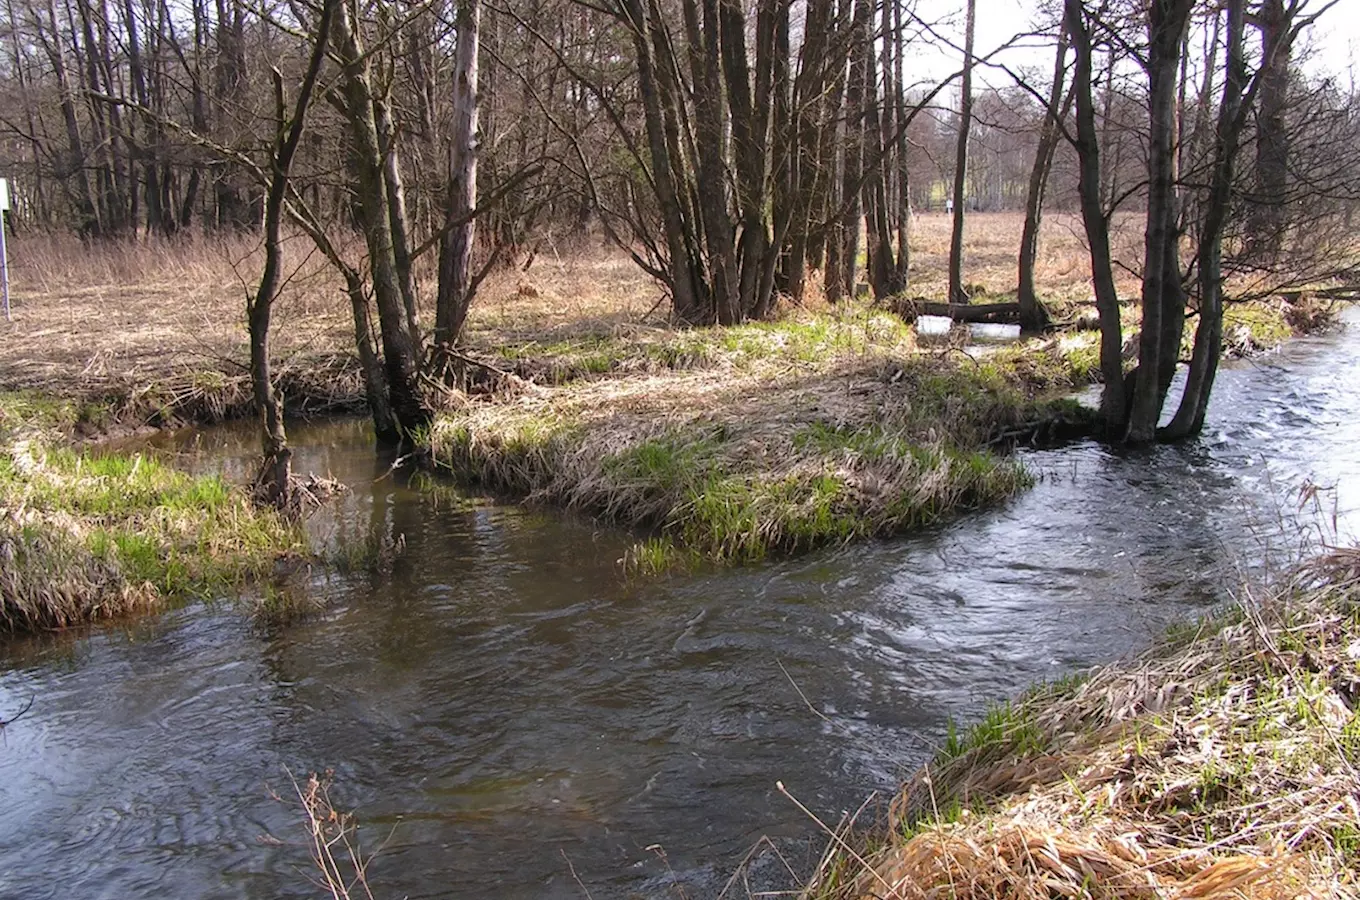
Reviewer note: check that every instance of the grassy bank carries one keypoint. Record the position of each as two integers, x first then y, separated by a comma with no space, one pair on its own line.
87,536
734,443
1222,763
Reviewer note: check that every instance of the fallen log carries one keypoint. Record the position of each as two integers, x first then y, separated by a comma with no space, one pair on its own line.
1346,292
993,313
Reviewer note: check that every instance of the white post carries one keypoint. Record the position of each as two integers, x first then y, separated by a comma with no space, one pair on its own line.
4,256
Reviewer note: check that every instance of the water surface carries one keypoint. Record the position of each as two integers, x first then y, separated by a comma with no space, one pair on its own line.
504,703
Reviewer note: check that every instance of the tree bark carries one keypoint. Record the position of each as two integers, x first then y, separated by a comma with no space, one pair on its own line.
400,355
1033,316
272,484
688,298
956,293
454,296
1163,295
1097,225
1199,381
1267,219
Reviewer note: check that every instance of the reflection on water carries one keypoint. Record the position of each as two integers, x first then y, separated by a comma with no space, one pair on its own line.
505,702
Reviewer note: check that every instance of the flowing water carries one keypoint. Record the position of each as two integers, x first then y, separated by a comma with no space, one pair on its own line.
503,709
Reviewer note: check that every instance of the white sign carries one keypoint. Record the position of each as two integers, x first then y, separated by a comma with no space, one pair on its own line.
4,195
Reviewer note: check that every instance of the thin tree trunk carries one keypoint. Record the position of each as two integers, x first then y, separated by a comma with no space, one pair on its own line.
956,293
1033,316
272,484
1199,381
853,170
687,296
878,231
82,196
455,248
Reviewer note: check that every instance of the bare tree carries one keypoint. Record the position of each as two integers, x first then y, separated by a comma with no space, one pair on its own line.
272,484
956,293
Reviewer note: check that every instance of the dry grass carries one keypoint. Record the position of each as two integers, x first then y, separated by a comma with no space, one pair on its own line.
991,241
1220,764
155,331
736,442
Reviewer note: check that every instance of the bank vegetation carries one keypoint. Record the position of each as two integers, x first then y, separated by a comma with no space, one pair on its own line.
1220,763
87,535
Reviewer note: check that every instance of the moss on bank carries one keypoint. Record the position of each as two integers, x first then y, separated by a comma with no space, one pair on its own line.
796,435
1222,763
87,536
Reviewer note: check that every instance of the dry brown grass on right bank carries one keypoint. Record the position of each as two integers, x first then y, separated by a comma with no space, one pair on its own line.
1221,764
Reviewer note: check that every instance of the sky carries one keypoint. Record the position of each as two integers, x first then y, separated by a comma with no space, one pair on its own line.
1333,44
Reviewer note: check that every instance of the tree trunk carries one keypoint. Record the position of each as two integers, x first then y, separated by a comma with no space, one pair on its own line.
272,484
882,266
688,300
455,247
1033,316
1163,296
398,219
711,171
1089,186
1267,219
400,355
1199,381
956,294
853,169
750,131
82,196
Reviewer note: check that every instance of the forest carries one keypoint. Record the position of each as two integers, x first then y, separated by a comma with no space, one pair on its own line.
737,153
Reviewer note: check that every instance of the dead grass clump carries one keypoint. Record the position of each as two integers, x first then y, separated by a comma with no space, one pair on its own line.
1220,764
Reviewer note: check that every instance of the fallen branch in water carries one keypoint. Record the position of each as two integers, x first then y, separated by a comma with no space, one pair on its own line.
5,723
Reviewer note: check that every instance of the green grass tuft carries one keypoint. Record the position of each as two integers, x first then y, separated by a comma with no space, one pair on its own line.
87,536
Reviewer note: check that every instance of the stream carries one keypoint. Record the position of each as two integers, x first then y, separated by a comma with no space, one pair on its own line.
509,717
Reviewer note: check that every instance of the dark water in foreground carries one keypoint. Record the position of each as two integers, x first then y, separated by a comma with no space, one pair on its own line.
504,703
